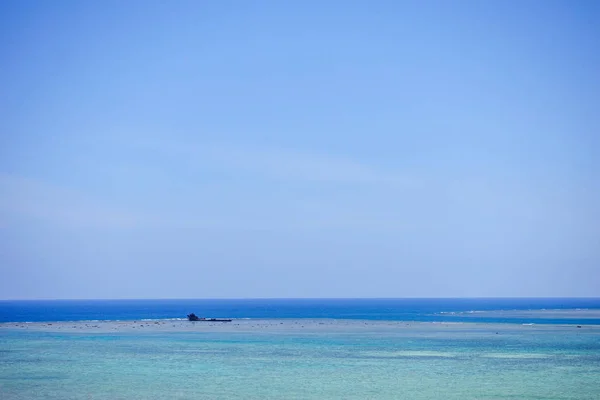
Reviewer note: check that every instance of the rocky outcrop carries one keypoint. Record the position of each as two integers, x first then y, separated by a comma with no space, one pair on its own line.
193,317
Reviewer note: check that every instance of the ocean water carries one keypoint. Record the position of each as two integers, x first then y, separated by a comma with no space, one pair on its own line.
283,356
499,310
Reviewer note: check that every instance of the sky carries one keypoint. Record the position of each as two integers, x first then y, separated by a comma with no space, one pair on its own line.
257,149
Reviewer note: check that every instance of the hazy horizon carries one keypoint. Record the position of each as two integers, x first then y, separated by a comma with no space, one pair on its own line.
268,149
297,298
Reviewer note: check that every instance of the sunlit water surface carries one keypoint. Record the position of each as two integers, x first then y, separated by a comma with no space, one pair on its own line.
299,359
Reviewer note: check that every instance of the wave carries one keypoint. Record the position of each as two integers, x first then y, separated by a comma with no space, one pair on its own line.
160,319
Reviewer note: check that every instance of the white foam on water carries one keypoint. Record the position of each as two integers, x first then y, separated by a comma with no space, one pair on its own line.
409,353
515,355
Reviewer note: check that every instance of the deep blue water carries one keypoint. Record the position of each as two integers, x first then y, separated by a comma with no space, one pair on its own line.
369,309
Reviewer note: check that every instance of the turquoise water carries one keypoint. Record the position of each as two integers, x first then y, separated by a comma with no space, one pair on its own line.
300,359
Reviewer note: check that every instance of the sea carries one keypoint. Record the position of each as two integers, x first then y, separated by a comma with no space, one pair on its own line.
505,348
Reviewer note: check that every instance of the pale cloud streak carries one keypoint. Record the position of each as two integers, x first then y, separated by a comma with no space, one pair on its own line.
343,194
23,199
31,198
277,163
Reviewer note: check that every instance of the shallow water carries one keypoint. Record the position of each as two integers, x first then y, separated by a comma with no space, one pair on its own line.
298,359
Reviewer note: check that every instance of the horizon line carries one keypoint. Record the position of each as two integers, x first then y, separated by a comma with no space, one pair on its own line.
305,298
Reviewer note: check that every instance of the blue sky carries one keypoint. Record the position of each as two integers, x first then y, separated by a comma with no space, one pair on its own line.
299,149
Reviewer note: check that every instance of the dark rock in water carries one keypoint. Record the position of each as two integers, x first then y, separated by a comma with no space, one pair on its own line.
579,326
193,317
